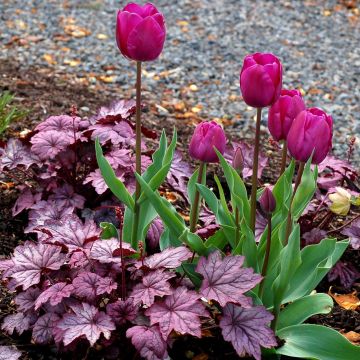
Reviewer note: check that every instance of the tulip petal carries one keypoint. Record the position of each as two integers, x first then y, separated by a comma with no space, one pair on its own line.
126,22
257,87
147,10
146,40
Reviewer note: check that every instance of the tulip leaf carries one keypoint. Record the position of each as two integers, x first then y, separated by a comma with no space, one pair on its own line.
111,180
167,239
218,240
193,183
310,341
301,309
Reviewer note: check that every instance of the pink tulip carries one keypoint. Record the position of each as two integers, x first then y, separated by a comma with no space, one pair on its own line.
283,112
140,32
238,160
267,201
261,79
207,135
310,131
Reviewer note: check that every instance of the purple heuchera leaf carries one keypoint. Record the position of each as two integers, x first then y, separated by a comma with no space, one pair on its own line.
54,294
46,145
337,165
102,250
85,321
43,329
122,311
225,280
154,233
68,197
247,329
89,285
169,258
19,322
353,232
26,299
260,226
329,181
180,312
9,353
148,342
25,201
61,123
118,110
153,284
314,236
30,260
120,133
347,274
71,232
120,157
16,154
97,180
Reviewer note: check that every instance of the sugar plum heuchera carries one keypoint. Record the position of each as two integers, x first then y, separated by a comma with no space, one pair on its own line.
140,32
311,134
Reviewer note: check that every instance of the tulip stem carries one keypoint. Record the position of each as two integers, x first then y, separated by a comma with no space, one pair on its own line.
237,224
254,178
267,255
289,217
134,240
194,212
284,157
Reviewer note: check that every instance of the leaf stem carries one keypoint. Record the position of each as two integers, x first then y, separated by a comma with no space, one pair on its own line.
254,178
134,240
289,217
120,217
283,157
195,208
267,255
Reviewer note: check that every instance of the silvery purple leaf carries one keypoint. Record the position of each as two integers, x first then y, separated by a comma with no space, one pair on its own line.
67,195
85,321
154,233
97,181
153,284
25,201
260,226
30,260
54,294
225,280
148,342
170,258
180,311
118,110
120,157
46,145
9,353
25,300
120,133
314,236
43,329
18,322
353,232
122,311
247,329
61,123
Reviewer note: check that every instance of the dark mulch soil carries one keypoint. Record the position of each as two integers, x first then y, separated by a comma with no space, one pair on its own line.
45,94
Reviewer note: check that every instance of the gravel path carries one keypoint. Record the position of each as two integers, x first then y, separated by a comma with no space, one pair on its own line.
317,41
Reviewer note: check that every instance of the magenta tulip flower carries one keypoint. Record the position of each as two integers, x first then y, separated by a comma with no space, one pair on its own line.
207,135
140,32
267,201
310,131
283,112
261,79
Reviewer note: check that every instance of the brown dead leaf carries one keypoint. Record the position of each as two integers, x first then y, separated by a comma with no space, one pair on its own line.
170,196
180,106
101,36
346,301
352,336
72,62
202,356
76,31
107,79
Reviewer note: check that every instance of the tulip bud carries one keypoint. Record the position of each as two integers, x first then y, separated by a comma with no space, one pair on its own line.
207,135
283,112
267,201
238,160
311,132
140,32
261,79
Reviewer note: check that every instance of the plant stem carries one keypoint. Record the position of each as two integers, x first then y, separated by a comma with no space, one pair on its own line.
194,213
134,240
123,278
276,313
267,255
237,224
283,157
255,171
289,218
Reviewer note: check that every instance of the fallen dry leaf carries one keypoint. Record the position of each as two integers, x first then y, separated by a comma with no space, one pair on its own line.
102,36
76,31
352,336
49,59
107,79
346,301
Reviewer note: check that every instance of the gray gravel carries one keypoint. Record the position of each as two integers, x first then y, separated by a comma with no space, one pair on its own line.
317,41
